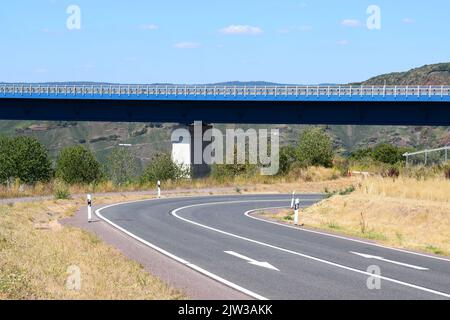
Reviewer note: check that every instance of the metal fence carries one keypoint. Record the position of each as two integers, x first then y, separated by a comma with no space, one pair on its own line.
428,157
189,90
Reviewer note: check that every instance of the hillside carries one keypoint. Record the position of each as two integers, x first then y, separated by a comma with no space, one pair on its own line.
150,138
435,74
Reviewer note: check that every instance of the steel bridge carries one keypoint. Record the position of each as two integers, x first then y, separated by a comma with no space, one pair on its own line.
383,105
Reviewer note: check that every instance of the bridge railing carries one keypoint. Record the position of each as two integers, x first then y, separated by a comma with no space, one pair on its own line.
192,90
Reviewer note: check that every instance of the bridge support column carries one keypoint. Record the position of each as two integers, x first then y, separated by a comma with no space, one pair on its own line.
188,145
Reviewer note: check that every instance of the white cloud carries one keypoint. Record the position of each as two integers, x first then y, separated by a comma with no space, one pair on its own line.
343,42
352,23
187,45
241,29
150,27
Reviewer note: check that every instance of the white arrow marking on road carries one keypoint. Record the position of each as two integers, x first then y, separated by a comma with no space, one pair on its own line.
252,261
368,256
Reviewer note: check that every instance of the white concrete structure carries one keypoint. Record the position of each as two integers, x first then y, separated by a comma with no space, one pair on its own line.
188,145
181,152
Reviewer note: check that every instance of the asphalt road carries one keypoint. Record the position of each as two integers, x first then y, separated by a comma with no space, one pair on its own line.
219,237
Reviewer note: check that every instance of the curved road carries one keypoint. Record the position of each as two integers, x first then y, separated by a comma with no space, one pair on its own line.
219,237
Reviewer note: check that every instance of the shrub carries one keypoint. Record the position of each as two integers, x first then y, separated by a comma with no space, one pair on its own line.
342,165
121,166
361,154
288,158
77,165
392,171
315,148
447,170
343,192
61,191
7,168
229,171
163,168
24,158
388,153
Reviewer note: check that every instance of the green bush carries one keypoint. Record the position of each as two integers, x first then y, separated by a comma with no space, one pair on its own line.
229,171
24,158
7,167
223,172
288,158
315,148
388,153
361,154
121,166
61,191
342,165
163,168
77,165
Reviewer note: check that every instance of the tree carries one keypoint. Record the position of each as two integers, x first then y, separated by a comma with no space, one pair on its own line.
24,158
162,168
315,148
7,168
235,169
361,154
388,153
121,166
77,165
288,158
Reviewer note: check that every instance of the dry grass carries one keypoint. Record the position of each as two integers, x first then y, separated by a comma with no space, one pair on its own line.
36,252
409,188
405,213
319,177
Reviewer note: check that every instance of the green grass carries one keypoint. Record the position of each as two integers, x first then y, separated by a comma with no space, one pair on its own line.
333,225
374,235
343,192
434,249
62,194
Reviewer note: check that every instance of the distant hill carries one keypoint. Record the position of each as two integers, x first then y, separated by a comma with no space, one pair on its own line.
434,74
149,138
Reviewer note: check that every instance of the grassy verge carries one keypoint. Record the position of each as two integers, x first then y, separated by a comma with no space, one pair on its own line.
36,254
314,178
405,213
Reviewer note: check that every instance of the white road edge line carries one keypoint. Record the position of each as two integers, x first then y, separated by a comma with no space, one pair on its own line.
248,214
174,257
174,213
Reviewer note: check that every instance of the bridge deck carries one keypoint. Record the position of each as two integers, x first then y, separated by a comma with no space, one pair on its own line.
365,105
226,93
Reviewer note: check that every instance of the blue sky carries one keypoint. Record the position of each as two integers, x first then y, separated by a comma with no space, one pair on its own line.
204,41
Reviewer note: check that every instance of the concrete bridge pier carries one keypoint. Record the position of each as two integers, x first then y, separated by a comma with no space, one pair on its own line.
188,145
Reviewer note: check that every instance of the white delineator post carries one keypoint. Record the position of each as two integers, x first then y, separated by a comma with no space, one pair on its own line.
159,189
89,203
293,200
296,208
